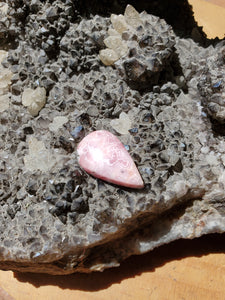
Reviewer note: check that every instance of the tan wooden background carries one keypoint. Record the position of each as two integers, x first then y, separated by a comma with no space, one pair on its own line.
182,270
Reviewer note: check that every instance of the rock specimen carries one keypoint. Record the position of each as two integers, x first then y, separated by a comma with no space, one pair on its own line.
102,155
116,46
55,218
141,46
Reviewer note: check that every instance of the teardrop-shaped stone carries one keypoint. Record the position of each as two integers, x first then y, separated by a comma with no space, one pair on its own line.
102,155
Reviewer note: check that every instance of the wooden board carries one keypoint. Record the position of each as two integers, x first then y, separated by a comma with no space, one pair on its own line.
185,270
210,14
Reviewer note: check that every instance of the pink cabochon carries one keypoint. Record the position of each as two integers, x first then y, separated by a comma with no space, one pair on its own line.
102,155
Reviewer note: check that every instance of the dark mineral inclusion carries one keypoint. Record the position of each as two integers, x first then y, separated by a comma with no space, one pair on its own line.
59,220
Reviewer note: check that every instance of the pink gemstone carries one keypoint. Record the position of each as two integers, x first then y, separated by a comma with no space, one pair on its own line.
102,155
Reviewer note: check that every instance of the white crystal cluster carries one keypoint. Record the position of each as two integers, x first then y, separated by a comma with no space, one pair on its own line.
121,125
39,158
5,80
3,8
58,123
34,100
116,46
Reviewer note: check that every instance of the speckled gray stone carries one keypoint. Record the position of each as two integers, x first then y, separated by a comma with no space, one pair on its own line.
57,219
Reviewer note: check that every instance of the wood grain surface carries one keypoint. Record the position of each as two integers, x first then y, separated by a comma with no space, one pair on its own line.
210,14
188,270
217,2
182,270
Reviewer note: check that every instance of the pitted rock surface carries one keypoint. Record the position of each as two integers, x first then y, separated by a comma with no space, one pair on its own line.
57,219
151,55
212,86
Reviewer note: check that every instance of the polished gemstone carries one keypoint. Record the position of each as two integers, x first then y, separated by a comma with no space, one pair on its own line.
102,155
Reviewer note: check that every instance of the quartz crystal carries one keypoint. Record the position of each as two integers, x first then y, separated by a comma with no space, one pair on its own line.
57,123
113,32
4,102
5,81
116,43
132,16
102,155
34,100
119,23
39,158
116,47
5,74
3,8
108,56
121,125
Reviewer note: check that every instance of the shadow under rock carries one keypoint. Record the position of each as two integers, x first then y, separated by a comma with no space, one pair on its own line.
131,267
178,13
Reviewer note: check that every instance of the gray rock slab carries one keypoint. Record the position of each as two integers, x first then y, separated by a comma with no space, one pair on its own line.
57,219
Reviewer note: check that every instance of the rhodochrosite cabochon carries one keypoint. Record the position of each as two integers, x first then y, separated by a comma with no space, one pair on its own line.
102,155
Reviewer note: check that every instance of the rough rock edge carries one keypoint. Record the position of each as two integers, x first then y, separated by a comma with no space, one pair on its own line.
177,223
